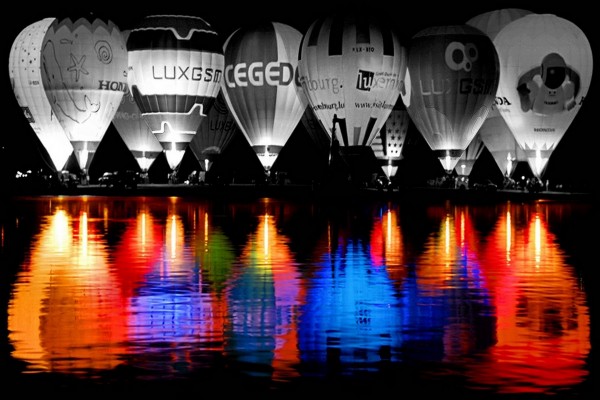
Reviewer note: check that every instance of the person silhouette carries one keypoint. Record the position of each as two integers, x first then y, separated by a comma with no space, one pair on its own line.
550,88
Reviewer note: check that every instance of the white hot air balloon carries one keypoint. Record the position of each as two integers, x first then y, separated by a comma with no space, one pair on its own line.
84,73
546,70
495,134
25,71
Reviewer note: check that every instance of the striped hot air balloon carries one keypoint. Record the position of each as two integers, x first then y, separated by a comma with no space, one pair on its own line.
259,86
25,71
175,72
352,70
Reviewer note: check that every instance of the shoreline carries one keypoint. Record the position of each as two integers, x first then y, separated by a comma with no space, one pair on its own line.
308,193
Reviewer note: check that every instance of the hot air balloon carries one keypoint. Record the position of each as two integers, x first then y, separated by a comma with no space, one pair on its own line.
25,71
467,161
352,70
495,134
259,86
546,71
84,73
214,134
134,131
389,142
452,78
175,72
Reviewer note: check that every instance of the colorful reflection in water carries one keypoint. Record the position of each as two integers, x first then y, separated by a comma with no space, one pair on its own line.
172,286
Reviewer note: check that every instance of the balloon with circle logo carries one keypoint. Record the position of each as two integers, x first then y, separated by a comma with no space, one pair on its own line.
175,72
259,87
495,134
84,73
25,71
352,69
546,71
452,78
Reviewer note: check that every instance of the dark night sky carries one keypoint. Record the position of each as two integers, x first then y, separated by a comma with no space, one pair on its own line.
574,158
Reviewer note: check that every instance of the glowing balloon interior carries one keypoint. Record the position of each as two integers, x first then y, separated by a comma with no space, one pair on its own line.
175,72
259,86
214,134
84,73
134,131
452,79
26,78
546,70
495,134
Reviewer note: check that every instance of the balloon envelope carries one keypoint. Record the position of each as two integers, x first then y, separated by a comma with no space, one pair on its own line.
134,131
259,86
389,142
175,72
214,134
495,134
451,84
352,71
26,77
546,70
469,157
84,73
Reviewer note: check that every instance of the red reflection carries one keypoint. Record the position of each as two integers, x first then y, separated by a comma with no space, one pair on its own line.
542,332
138,250
386,246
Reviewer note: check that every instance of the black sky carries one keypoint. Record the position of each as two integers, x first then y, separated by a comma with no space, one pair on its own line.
574,157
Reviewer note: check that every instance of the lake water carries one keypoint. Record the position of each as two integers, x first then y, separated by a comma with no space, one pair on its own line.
266,295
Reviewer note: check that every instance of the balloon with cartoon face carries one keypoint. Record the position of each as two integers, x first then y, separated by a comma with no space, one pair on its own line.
546,70
452,78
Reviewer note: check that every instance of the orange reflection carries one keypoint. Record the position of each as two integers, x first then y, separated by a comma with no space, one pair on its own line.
543,331
451,247
67,285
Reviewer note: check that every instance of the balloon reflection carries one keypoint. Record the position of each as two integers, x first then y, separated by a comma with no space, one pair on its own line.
542,322
264,301
351,317
157,285
66,284
447,296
